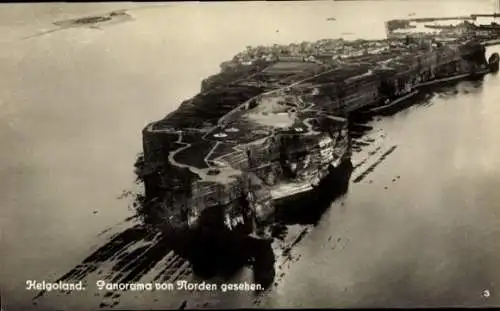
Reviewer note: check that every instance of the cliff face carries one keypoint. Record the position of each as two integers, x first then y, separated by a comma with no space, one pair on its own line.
228,154
273,147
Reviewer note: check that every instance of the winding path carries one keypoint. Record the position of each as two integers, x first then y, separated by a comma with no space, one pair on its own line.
225,174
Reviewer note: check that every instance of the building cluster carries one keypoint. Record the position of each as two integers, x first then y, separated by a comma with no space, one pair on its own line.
322,51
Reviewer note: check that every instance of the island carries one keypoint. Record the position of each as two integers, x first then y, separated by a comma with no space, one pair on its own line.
272,128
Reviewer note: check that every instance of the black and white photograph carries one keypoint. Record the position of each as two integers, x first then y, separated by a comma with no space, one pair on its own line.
249,155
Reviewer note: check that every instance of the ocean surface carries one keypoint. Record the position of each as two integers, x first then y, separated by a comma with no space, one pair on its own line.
421,229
